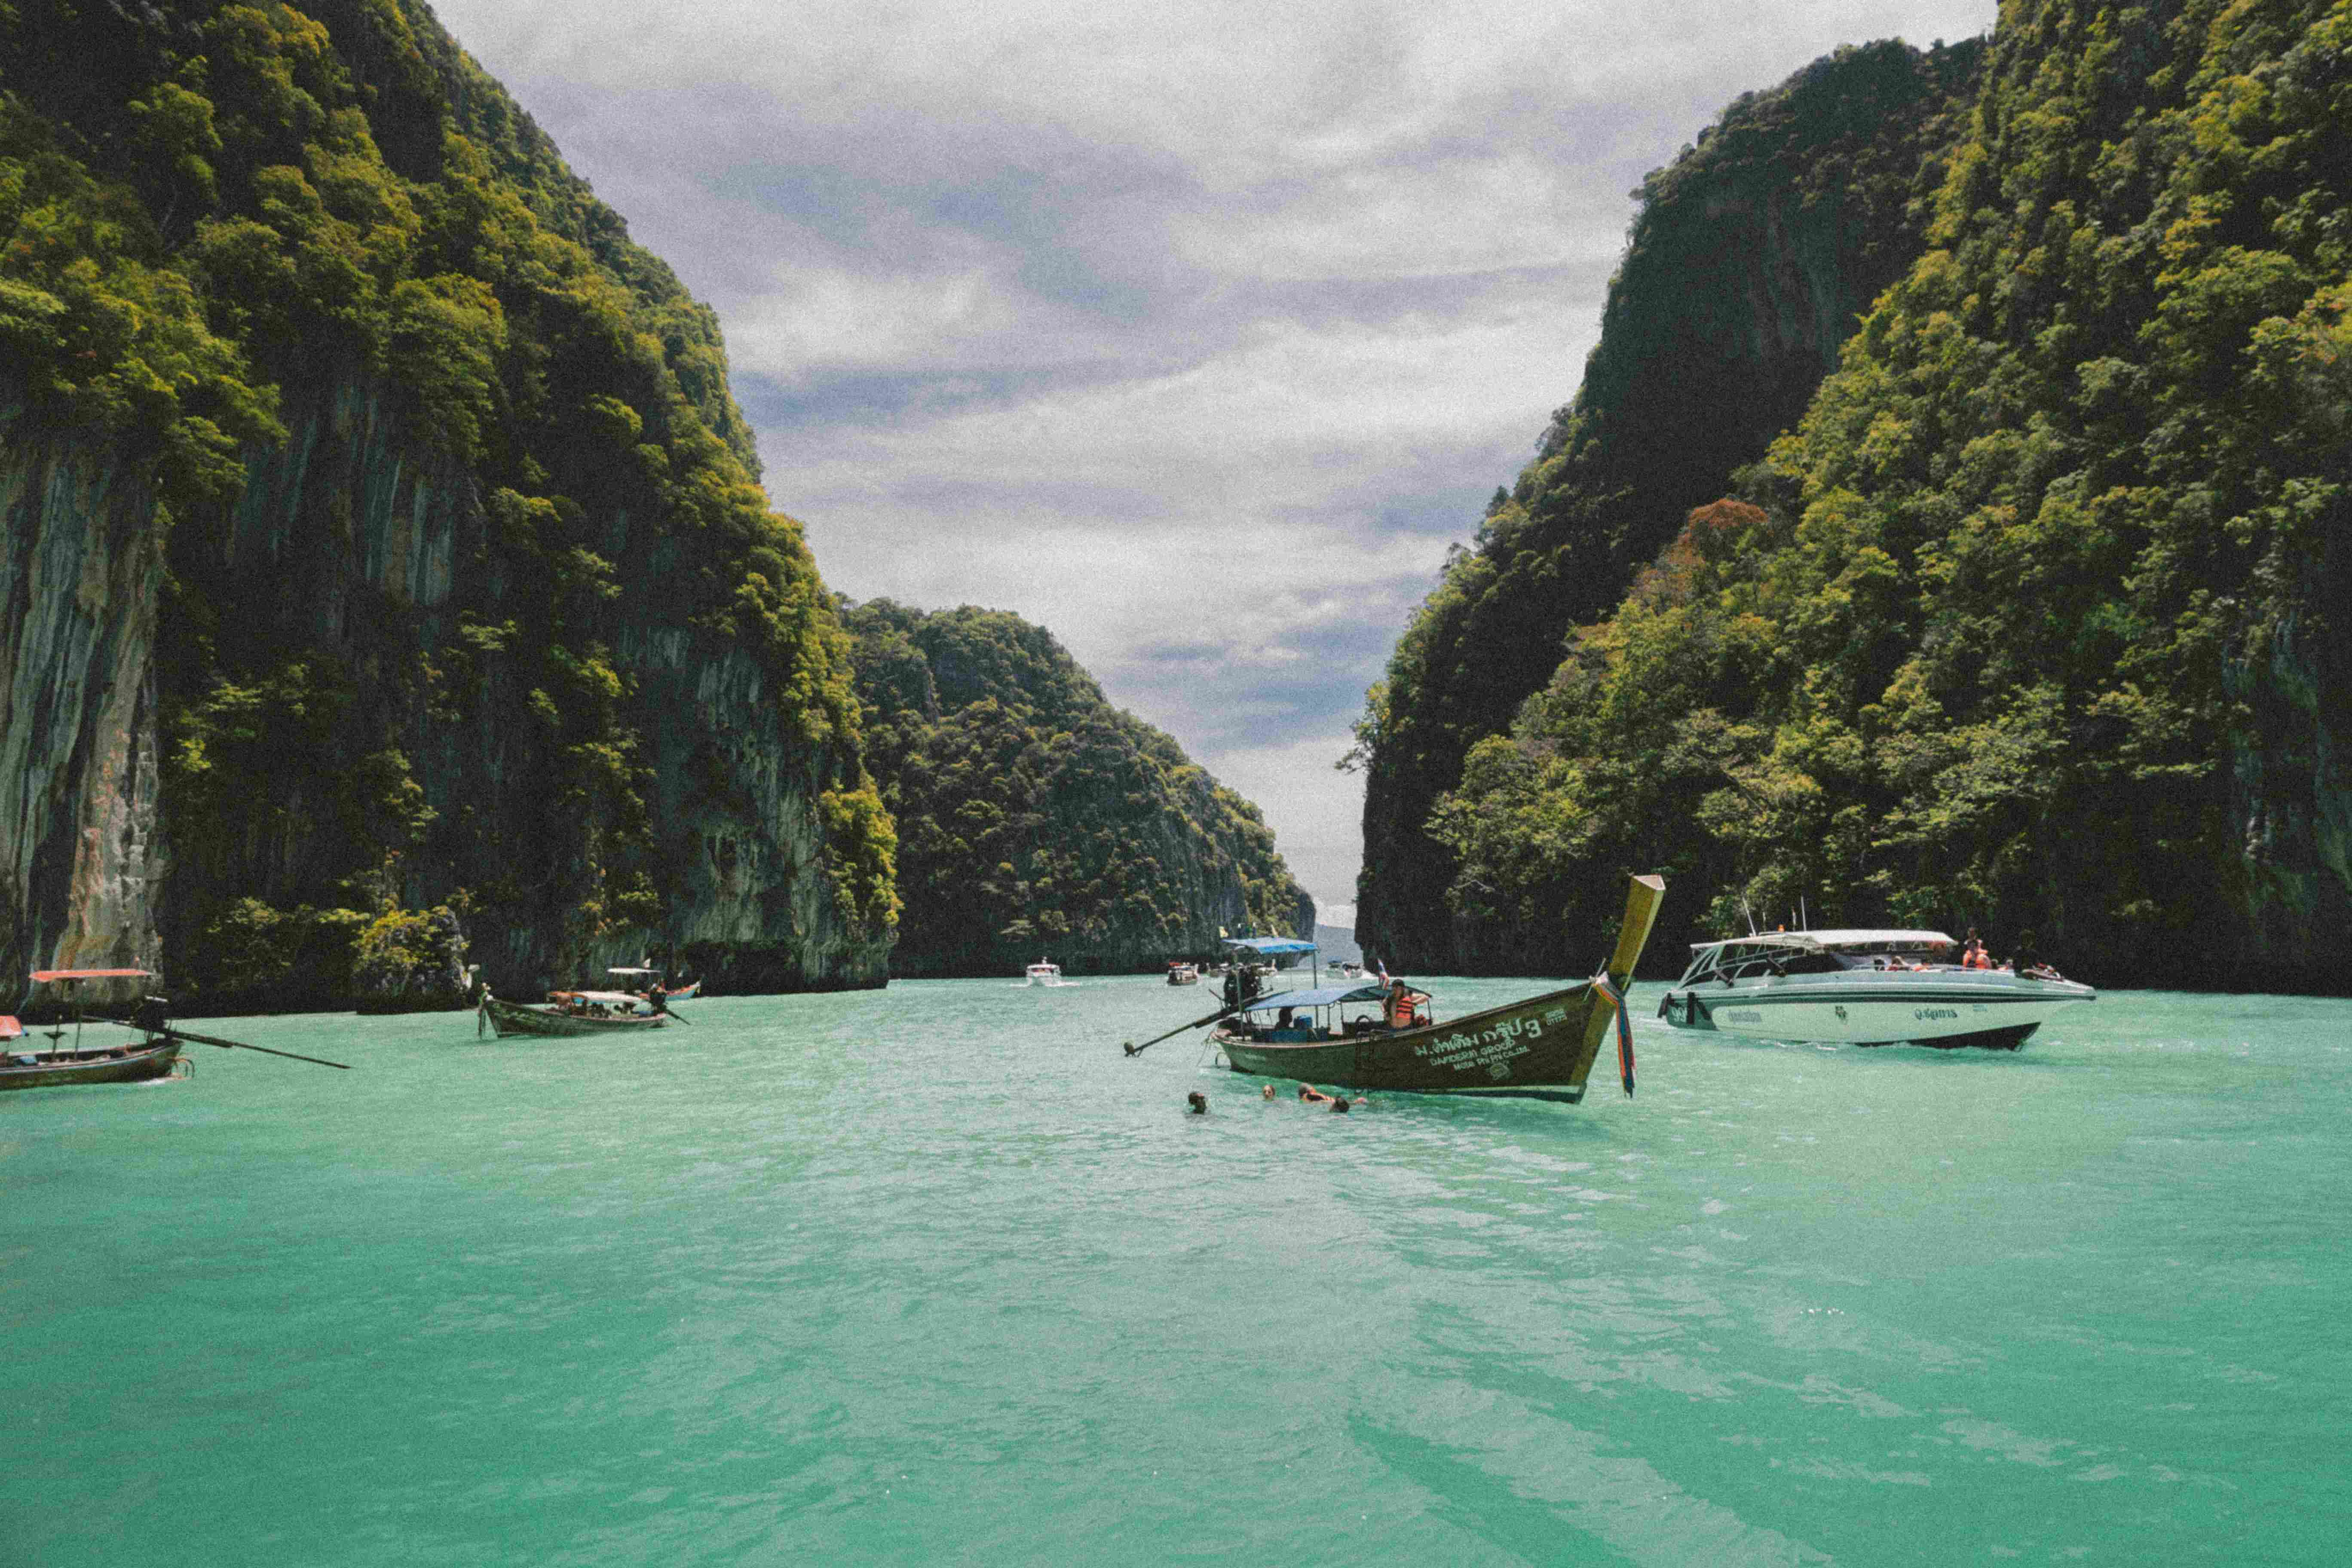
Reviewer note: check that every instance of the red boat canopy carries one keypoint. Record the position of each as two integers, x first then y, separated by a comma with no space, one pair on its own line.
42,976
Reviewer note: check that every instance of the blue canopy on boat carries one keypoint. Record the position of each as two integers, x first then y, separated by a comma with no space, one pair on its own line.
1319,997
1271,946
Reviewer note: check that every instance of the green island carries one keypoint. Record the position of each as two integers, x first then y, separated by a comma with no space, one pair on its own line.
1972,553
1034,818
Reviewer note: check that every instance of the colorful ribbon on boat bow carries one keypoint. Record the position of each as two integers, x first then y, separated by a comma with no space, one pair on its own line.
1602,983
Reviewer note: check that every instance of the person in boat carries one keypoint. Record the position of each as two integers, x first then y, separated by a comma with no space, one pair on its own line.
1402,1014
657,999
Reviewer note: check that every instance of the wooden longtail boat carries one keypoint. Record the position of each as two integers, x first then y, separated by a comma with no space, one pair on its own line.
522,1018
127,1061
1540,1049
151,1056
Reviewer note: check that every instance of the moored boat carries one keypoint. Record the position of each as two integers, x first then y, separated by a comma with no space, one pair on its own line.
149,1055
1044,971
570,1013
1862,987
639,981
128,1062
1183,974
1542,1047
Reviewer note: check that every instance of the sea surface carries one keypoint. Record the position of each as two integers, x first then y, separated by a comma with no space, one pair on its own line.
935,1274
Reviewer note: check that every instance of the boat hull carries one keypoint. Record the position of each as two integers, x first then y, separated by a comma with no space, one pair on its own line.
1541,1048
520,1018
60,1069
1949,1010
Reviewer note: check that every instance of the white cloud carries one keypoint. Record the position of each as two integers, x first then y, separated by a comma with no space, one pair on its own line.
1193,331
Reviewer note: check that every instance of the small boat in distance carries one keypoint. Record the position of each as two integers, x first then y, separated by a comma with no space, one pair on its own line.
1862,988
1539,1048
567,1012
1183,974
1044,971
640,980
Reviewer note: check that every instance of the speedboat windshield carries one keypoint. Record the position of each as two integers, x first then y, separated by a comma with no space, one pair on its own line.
1814,952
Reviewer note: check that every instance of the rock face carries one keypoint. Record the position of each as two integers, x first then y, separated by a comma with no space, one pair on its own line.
355,551
1035,820
2034,623
1751,260
380,536
79,849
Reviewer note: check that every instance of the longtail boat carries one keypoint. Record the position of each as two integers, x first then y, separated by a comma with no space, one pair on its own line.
558,1018
150,1056
1539,1048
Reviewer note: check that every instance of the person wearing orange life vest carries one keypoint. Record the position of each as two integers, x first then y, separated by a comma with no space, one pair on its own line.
1975,956
1401,1002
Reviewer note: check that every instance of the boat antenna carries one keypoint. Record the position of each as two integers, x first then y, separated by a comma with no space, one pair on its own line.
1804,920
1750,911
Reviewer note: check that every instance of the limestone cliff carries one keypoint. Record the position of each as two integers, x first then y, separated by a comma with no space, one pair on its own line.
80,572
382,538
1035,819
1751,258
2036,622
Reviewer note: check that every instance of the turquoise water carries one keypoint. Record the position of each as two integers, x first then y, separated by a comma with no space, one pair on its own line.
936,1274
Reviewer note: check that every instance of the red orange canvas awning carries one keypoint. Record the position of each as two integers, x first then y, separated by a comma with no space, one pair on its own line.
43,976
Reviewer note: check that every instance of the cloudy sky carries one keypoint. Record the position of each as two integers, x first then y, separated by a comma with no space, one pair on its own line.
1193,332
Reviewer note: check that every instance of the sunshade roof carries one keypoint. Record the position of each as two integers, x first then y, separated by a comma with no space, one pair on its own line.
1271,944
42,976
1319,997
1833,939
619,996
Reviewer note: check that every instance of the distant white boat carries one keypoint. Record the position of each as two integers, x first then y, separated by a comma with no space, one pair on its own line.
1044,971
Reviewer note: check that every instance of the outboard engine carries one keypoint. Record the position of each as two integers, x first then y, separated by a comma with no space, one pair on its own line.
152,1017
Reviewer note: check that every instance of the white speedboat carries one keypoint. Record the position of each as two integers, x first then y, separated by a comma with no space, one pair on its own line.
1044,971
1862,988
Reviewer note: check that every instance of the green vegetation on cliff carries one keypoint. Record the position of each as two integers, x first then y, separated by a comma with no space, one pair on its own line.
1035,818
230,236
2038,620
1751,258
